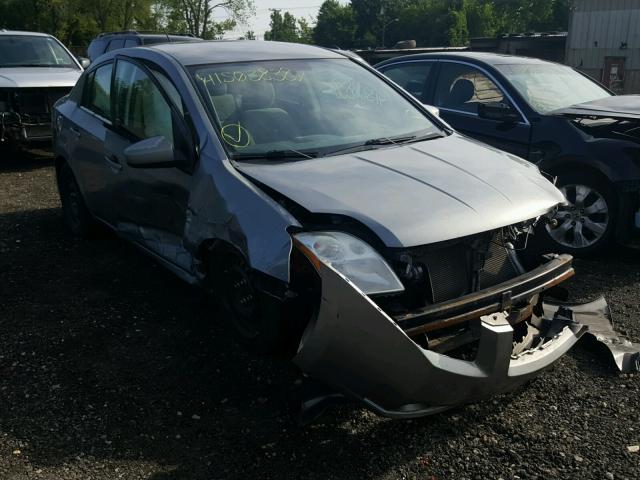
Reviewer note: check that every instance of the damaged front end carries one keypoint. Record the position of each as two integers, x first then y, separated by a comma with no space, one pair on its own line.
25,113
483,328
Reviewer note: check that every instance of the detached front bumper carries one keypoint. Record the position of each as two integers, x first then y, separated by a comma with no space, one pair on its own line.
24,128
355,347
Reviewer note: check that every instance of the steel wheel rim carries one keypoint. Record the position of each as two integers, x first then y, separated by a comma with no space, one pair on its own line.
583,221
242,300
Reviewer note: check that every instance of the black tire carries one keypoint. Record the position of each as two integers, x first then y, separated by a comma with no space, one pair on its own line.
586,226
77,217
257,318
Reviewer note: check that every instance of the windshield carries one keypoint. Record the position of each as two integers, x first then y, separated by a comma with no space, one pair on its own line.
27,51
308,107
548,87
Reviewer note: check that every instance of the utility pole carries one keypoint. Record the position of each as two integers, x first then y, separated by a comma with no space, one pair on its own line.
384,30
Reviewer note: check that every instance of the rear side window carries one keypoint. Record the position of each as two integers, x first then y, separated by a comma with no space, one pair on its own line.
141,109
410,76
96,48
131,42
97,96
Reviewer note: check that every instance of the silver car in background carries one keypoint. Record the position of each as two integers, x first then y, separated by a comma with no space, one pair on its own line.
36,70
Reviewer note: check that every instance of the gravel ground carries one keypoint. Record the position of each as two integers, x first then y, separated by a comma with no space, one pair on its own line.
112,368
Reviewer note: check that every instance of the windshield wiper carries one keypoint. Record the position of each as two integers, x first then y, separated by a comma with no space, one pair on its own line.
390,141
274,155
375,142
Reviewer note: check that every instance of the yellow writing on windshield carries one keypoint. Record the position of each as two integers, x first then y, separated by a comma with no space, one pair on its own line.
236,135
257,75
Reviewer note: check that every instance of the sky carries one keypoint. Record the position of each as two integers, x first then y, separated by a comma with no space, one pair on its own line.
260,22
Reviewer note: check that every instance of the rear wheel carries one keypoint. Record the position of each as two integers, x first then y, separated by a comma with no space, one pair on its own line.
586,224
74,211
257,318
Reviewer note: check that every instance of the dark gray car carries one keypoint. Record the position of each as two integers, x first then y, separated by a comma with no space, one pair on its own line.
328,209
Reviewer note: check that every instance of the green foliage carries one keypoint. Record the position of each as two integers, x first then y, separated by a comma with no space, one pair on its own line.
76,22
335,26
433,22
286,28
360,23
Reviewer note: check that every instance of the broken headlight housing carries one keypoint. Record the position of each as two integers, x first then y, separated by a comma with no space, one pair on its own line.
353,258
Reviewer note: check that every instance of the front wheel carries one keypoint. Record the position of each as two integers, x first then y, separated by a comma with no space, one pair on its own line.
586,224
257,318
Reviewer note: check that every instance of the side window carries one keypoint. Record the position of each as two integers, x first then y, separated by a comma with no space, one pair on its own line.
115,44
463,87
140,107
97,97
131,42
410,76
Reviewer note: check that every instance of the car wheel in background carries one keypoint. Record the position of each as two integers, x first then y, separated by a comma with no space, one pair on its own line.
585,225
74,211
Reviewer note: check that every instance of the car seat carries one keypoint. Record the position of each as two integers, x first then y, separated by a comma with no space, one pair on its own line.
461,92
258,115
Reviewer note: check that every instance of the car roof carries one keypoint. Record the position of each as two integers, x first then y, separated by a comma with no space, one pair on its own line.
22,33
226,51
480,57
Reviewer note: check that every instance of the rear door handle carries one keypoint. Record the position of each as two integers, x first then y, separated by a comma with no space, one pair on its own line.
75,131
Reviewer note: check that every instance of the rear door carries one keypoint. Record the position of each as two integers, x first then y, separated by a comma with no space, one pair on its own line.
150,203
459,89
89,127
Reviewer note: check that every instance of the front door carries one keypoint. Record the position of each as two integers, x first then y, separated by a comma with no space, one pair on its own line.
89,126
460,89
150,203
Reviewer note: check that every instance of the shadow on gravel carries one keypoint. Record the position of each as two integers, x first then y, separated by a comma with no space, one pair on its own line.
21,160
105,355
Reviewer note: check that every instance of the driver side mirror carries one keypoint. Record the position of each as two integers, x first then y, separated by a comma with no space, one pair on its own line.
154,152
84,62
499,111
160,152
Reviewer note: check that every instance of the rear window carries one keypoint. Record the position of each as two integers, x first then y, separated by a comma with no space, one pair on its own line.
96,48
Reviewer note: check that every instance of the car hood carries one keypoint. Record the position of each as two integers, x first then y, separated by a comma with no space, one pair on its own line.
34,77
416,194
620,106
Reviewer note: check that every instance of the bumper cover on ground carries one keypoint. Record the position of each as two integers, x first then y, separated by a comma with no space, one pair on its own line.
353,346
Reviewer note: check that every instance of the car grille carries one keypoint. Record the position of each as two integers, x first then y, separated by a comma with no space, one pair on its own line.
499,266
35,105
461,267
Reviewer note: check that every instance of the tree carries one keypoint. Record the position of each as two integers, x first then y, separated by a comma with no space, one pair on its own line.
198,15
336,25
286,28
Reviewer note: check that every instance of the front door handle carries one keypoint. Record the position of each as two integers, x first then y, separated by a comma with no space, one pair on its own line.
75,131
114,162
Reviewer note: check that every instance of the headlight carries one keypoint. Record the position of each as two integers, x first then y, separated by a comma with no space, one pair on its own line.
354,259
